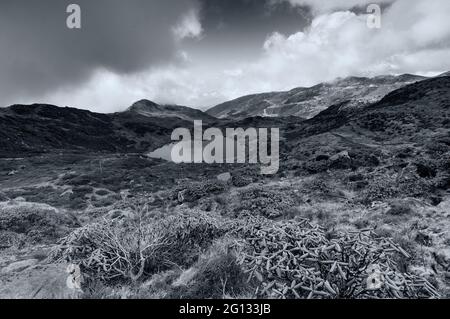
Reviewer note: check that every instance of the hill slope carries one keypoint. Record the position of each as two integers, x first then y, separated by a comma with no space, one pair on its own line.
308,102
41,128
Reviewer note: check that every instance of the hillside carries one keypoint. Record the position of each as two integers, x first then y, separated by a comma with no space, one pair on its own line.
150,109
41,128
308,102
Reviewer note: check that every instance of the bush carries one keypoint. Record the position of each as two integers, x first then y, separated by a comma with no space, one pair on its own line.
197,190
11,239
298,260
425,171
134,251
267,203
217,274
40,223
400,209
241,181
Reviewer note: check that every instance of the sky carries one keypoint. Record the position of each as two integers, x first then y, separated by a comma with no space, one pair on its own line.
200,53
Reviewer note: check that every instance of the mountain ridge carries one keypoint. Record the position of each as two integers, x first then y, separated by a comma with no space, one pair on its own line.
41,128
145,126
307,102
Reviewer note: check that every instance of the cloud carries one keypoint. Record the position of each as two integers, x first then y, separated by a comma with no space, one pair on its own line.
189,26
327,6
414,38
39,54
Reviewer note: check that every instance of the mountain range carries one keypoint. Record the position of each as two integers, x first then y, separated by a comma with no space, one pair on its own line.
308,102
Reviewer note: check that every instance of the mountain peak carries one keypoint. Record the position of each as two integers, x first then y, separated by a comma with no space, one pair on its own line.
151,109
144,105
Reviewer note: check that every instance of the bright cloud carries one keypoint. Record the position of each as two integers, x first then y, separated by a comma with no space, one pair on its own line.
189,26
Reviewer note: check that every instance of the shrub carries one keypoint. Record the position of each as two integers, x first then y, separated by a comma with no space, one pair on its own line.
400,209
314,167
40,223
442,181
241,181
267,203
194,191
10,239
425,171
134,251
297,259
217,274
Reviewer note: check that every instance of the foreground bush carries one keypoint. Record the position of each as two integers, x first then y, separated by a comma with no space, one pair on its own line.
134,251
261,258
299,260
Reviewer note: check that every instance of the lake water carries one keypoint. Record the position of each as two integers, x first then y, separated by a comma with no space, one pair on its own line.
165,152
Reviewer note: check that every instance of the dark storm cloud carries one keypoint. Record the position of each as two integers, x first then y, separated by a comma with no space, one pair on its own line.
260,16
249,22
39,53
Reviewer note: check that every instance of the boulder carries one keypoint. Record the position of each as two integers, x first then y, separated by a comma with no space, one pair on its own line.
340,156
341,161
225,177
38,282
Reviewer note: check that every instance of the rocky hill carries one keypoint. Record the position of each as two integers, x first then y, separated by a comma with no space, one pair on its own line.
42,128
150,109
308,102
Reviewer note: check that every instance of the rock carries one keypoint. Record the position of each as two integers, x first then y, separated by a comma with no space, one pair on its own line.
374,281
341,161
225,177
39,282
75,278
19,266
341,155
182,196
